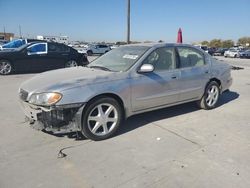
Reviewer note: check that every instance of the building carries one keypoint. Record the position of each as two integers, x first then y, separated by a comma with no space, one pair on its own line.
59,39
6,36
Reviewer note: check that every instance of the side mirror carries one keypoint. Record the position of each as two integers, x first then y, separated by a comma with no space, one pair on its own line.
146,68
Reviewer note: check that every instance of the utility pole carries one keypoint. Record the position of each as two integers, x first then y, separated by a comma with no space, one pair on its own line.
20,31
128,22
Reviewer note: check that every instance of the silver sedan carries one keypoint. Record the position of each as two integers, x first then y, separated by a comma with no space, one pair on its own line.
128,80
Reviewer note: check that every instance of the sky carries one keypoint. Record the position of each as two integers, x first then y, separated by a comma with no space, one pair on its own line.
105,20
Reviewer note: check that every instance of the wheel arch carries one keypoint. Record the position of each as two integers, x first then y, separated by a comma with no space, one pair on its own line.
111,95
215,80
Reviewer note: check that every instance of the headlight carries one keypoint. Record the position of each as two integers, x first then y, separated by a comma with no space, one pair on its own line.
45,99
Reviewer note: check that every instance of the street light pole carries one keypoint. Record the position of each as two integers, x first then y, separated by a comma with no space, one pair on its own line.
128,22
20,32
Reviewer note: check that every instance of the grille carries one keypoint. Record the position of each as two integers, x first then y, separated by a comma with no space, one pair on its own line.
23,95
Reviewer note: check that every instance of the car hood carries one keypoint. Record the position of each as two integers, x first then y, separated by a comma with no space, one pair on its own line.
63,79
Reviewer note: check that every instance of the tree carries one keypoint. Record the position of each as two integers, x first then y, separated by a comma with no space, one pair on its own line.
244,40
205,43
227,43
215,43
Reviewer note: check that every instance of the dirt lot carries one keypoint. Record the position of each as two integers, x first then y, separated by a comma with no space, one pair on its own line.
180,146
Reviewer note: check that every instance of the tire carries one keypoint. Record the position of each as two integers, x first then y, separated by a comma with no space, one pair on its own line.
71,63
6,67
95,124
90,53
207,102
235,56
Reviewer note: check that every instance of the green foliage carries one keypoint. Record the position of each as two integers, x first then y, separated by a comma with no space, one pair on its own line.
227,44
244,40
215,43
205,43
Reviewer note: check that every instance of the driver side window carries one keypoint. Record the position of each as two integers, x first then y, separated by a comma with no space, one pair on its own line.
162,59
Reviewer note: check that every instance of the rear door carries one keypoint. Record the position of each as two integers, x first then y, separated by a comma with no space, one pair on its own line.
58,55
194,73
157,88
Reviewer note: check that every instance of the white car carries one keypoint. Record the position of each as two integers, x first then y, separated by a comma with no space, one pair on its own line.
97,49
232,53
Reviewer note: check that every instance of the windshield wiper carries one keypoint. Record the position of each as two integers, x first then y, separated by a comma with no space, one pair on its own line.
100,67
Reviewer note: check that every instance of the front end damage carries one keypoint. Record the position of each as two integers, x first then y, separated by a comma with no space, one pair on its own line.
56,119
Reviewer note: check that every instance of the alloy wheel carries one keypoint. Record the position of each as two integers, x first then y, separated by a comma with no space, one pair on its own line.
212,95
102,119
5,68
71,63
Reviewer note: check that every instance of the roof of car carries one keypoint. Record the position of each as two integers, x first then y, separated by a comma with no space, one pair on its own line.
159,44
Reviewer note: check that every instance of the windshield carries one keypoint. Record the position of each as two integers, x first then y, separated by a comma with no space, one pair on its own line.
14,43
119,59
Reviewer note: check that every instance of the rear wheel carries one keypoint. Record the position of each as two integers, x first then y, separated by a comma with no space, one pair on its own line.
71,63
90,53
210,97
101,119
5,67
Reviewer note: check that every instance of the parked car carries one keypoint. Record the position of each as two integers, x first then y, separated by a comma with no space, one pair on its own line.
232,53
128,80
17,43
40,56
220,51
203,47
212,50
96,49
245,54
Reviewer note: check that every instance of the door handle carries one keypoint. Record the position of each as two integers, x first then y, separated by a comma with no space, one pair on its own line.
207,71
174,77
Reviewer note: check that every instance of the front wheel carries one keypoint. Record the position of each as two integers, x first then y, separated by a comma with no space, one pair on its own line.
101,119
210,97
71,63
5,67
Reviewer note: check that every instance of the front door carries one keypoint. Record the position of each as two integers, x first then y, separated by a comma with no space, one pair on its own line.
157,88
32,58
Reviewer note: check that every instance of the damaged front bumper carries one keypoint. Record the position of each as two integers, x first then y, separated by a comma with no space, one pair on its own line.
57,119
